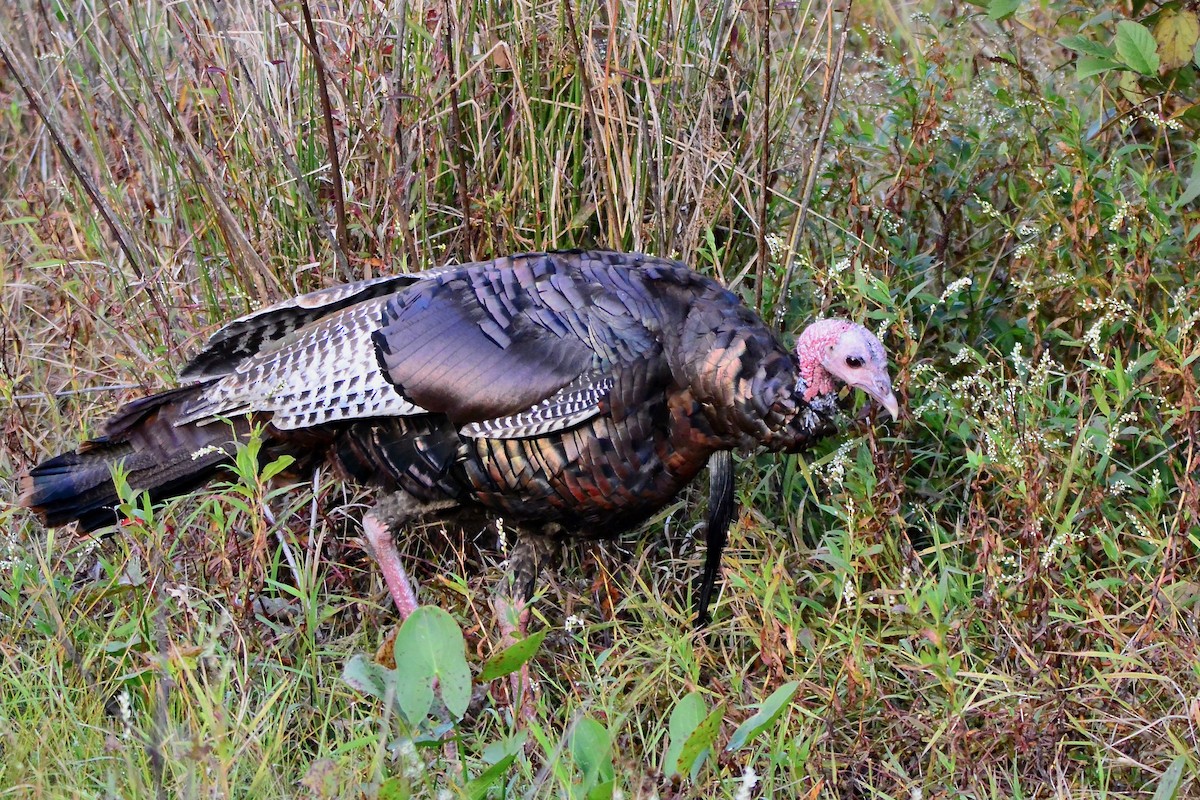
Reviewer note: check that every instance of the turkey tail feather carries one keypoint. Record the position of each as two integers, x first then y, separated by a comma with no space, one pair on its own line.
156,455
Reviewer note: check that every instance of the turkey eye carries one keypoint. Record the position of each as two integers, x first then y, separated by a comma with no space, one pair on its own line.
854,362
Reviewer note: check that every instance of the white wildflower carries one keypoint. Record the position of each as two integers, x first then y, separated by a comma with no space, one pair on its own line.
920,370
1010,569
955,287
834,472
1138,525
125,710
1161,122
749,781
204,451
1118,219
988,209
849,591
963,355
777,246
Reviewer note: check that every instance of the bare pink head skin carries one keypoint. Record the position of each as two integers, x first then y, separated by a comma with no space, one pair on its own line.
832,352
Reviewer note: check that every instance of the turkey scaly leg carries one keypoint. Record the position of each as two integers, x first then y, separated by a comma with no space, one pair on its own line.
512,607
391,513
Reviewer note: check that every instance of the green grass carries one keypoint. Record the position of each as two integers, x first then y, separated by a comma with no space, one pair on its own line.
995,597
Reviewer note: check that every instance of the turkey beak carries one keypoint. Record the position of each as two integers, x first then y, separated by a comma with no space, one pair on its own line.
879,387
875,382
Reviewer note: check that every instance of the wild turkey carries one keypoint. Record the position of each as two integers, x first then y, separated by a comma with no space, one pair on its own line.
574,393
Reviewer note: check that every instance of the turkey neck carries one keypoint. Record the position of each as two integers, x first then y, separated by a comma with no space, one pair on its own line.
746,384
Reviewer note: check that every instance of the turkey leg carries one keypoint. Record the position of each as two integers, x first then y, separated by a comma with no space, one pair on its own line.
511,604
391,513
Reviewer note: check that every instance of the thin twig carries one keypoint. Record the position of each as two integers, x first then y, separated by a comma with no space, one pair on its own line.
112,387
456,131
283,543
764,62
335,164
833,80
404,156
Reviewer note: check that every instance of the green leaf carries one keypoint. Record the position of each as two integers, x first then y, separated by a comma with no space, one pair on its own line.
512,658
1087,66
601,791
1177,31
685,718
394,788
1088,47
430,651
477,788
277,466
1136,47
1192,190
1168,784
768,712
505,747
368,677
699,744
1002,9
591,747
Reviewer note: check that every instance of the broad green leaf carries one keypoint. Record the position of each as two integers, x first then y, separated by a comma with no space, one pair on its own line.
1176,32
1088,47
505,747
1002,9
768,712
686,716
1168,784
1136,47
1087,66
368,677
591,747
430,650
512,658
697,747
